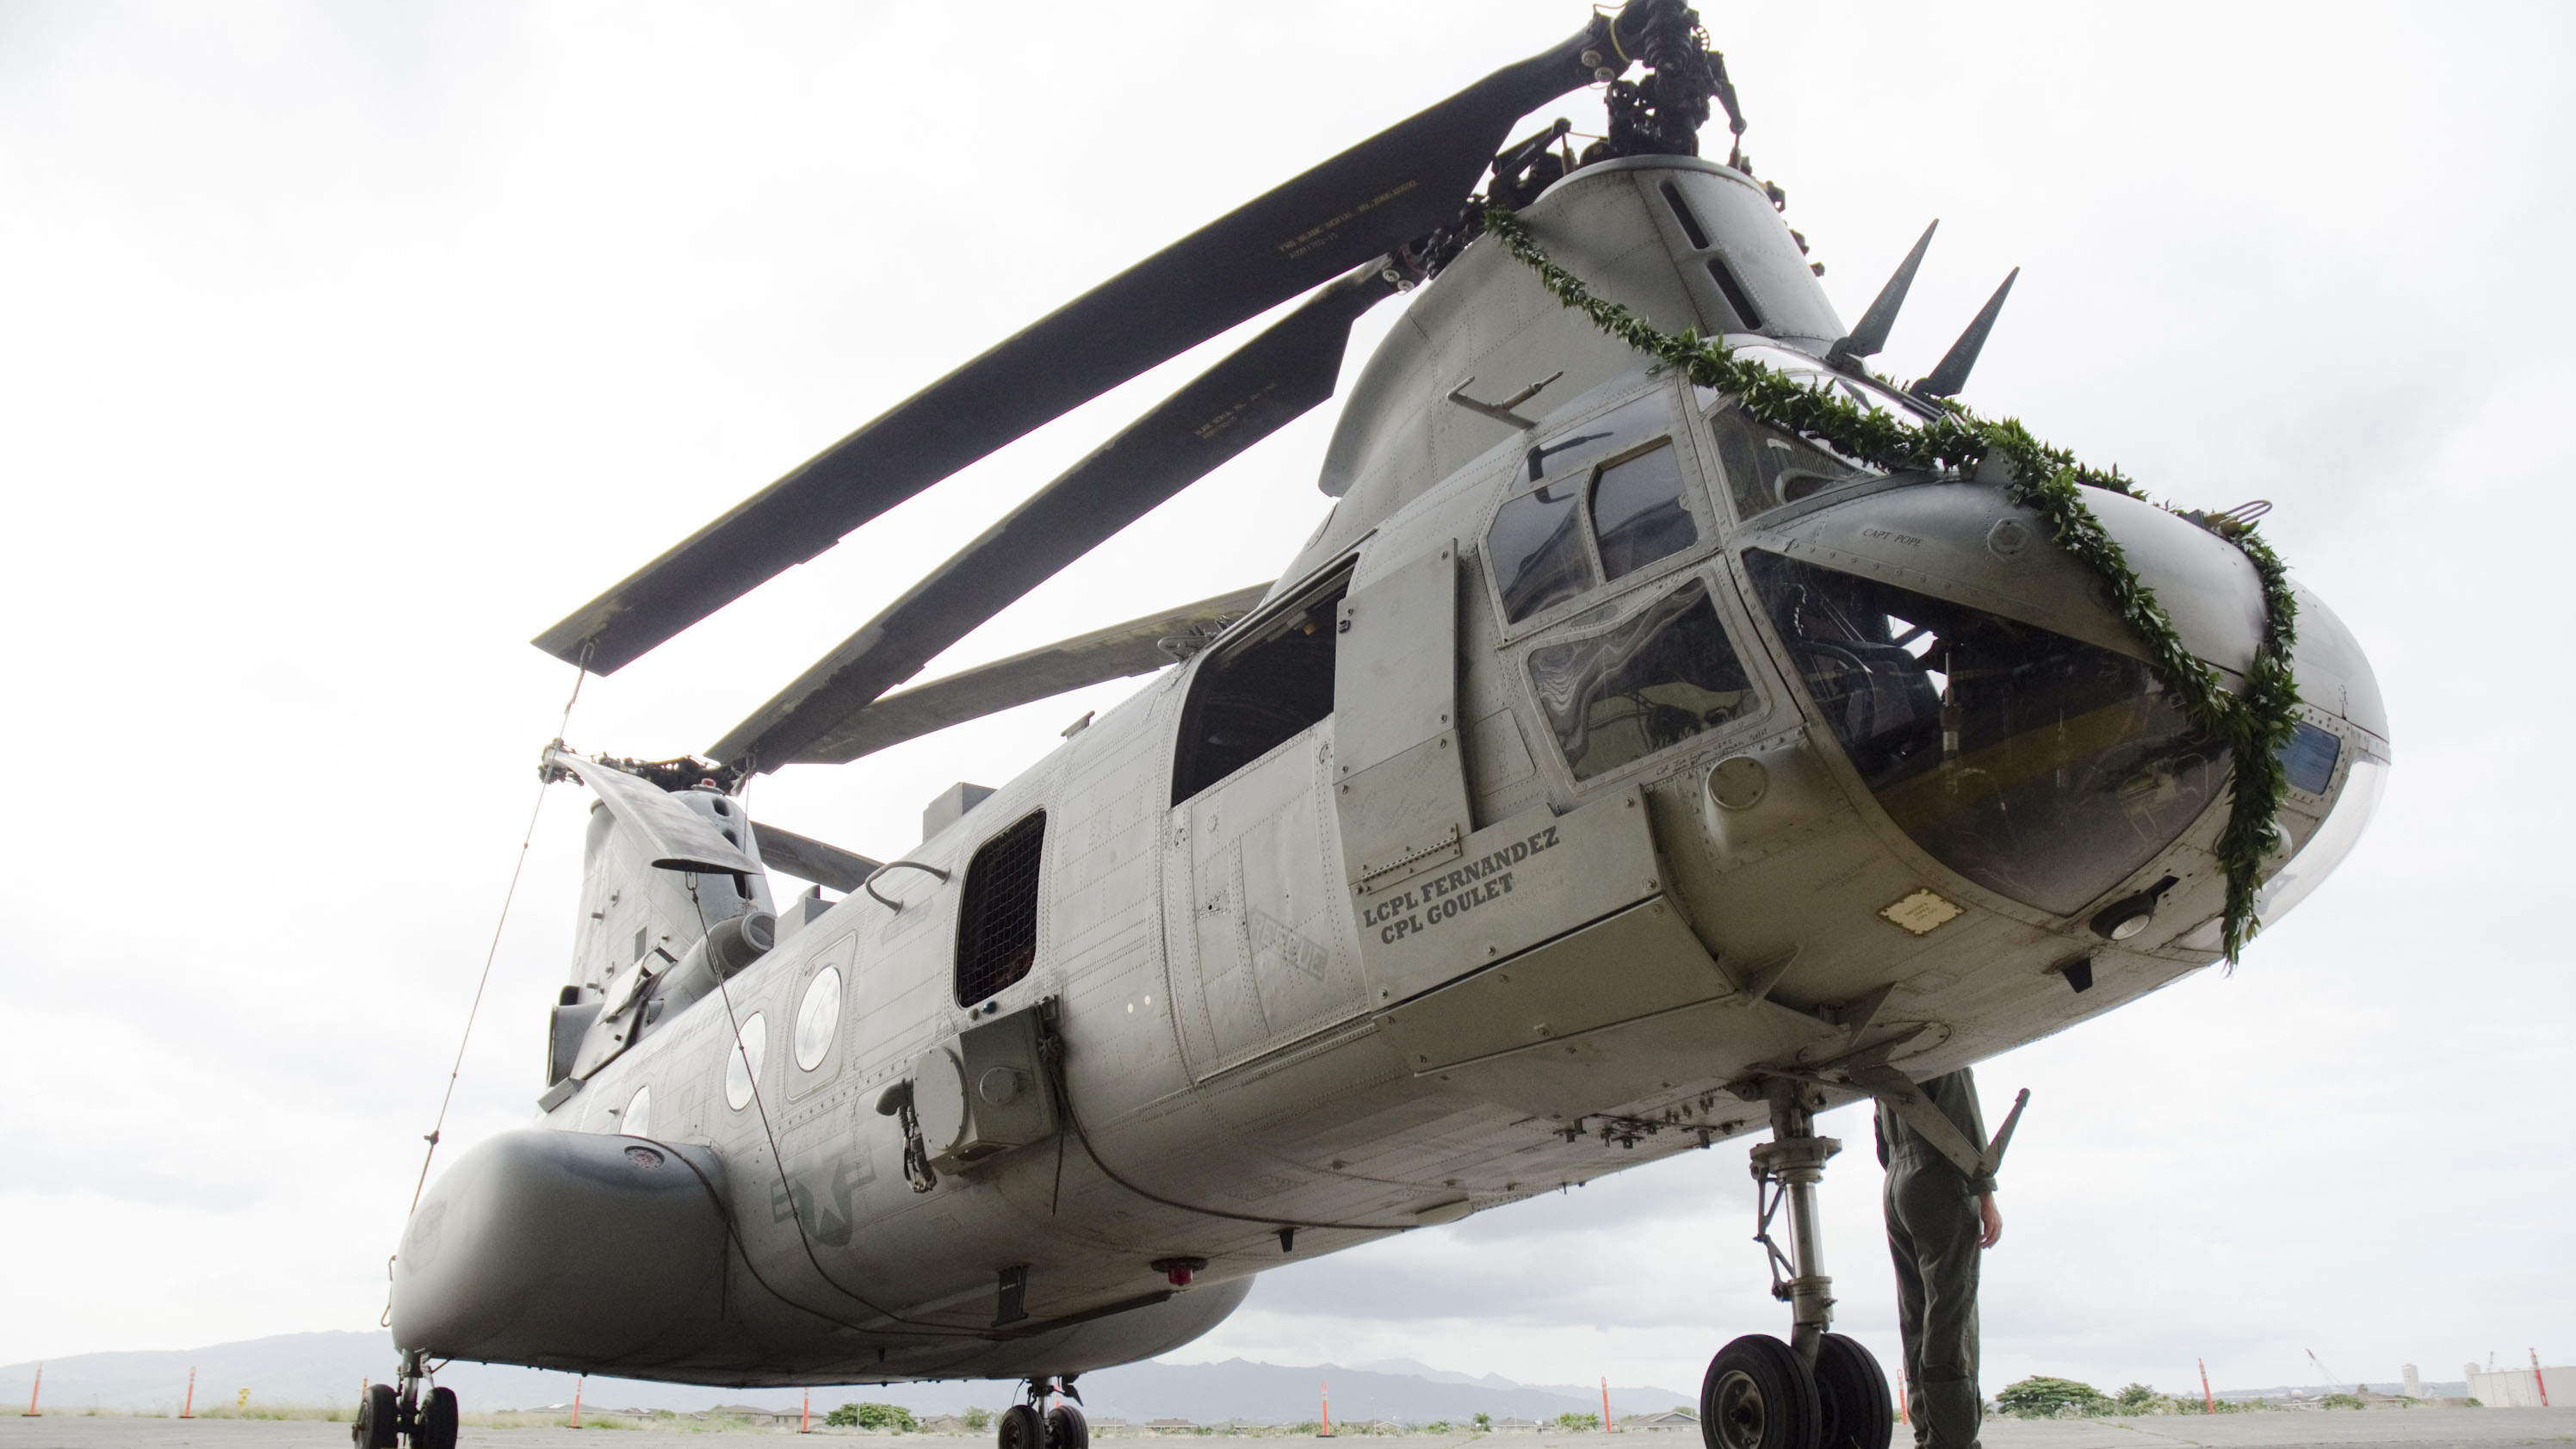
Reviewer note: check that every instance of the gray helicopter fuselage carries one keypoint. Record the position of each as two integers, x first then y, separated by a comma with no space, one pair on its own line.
1573,776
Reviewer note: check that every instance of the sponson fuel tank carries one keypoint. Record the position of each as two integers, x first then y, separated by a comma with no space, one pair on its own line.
566,1249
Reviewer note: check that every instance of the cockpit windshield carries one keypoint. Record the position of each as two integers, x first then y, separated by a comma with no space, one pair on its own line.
2044,769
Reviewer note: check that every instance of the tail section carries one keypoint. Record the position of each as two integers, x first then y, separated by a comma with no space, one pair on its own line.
673,900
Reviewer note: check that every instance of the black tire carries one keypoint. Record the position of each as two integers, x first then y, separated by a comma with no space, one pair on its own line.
1757,1395
1851,1396
437,1429
1067,1429
374,1427
1019,1429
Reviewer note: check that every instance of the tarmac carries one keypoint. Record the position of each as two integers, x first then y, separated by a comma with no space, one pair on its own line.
2410,1428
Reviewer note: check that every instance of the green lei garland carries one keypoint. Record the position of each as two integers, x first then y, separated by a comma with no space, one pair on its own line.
2255,724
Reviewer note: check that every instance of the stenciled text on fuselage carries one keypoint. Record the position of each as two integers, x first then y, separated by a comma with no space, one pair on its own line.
1455,892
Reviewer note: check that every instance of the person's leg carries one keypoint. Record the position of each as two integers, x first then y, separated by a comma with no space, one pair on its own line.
1909,1309
1940,1221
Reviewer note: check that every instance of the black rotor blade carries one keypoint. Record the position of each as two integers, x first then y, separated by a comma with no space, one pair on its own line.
1371,199
1139,646
806,858
1269,382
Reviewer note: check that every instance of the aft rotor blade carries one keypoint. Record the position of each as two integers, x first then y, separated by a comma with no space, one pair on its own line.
1139,646
674,836
1371,199
806,858
1269,382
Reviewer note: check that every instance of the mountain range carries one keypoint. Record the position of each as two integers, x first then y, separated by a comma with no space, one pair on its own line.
326,1368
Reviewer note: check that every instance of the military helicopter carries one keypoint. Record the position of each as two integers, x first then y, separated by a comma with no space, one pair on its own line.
1611,774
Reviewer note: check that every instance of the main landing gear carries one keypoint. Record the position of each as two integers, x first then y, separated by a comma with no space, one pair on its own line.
392,1414
1818,1390
1035,1425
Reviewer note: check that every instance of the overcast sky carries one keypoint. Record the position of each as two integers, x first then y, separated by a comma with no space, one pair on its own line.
343,347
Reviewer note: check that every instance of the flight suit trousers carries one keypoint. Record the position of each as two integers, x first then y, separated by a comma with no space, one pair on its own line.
1932,1232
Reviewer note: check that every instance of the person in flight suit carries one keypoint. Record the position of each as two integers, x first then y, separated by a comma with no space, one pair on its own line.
1938,1220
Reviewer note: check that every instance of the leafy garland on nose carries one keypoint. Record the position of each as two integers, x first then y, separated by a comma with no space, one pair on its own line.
2048,481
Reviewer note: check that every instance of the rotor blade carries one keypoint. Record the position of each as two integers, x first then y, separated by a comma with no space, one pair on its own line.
1871,335
1961,359
1135,647
1272,380
675,837
1388,190
806,858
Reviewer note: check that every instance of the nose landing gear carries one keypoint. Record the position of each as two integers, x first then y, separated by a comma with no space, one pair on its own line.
1820,1389
1036,1425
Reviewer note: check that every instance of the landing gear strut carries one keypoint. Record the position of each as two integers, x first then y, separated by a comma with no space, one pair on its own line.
394,1413
1037,1425
1820,1389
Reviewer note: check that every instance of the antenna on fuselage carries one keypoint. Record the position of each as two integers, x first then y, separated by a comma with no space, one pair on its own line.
1871,335
1952,374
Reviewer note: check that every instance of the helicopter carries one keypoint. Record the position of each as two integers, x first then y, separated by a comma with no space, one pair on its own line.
1611,772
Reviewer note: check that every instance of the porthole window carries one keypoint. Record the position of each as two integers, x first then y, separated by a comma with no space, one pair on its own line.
818,1018
637,1119
742,1064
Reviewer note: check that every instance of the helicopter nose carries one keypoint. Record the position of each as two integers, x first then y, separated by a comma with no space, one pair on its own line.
1967,542
1998,707
2336,761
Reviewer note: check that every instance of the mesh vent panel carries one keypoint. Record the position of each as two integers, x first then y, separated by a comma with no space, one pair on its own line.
997,923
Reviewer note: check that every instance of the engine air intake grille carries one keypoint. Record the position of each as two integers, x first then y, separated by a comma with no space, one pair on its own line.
997,922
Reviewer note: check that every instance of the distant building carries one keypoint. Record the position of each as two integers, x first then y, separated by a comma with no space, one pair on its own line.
1670,1420
2520,1388
1516,1426
1170,1426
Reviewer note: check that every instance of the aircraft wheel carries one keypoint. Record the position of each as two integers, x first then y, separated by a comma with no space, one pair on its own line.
1851,1396
1067,1429
1757,1395
437,1421
1019,1428
374,1427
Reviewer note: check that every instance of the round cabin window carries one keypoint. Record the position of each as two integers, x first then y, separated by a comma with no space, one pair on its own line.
817,1018
742,1064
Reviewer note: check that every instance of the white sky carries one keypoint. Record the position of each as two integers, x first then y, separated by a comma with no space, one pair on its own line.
348,346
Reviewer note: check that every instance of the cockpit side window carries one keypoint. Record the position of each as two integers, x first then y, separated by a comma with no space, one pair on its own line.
1571,451
1537,548
1609,501
1766,467
1637,512
1648,683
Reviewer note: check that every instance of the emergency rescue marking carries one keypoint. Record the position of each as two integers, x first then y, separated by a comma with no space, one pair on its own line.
1447,897
1274,940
